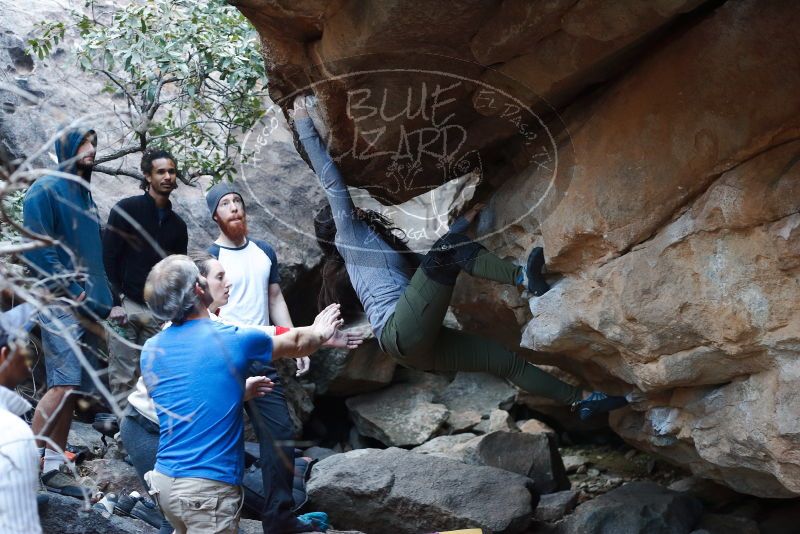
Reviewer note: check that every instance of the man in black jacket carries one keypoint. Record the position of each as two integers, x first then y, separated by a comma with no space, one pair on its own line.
141,230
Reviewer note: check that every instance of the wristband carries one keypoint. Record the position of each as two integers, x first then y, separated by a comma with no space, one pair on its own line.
281,330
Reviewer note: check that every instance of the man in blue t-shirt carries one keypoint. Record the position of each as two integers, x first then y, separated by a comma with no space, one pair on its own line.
195,372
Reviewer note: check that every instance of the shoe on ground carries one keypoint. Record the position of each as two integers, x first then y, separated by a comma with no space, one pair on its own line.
315,521
56,481
598,403
125,503
148,512
105,506
533,277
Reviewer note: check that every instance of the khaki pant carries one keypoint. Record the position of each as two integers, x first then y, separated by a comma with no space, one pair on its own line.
197,505
123,354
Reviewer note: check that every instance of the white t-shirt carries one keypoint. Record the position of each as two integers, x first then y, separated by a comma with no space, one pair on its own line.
19,468
250,269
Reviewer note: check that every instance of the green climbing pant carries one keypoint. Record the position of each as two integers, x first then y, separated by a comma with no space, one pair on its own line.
415,337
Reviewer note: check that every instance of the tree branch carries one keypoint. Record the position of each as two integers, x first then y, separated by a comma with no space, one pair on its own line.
131,100
111,171
122,152
6,249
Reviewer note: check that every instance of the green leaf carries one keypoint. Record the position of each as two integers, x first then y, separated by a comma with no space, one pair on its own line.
208,47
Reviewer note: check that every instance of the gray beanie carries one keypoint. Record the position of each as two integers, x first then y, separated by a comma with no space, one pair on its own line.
216,193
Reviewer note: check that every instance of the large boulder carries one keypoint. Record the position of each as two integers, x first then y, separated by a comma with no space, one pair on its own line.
716,346
66,515
635,508
412,80
665,196
535,456
668,204
471,397
398,491
399,415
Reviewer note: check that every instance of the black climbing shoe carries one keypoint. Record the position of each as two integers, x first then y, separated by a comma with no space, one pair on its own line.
63,482
597,403
534,279
148,512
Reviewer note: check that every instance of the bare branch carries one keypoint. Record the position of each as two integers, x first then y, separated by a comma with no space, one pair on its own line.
111,171
18,248
128,95
122,152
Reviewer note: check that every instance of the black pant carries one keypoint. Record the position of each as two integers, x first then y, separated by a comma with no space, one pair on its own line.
270,418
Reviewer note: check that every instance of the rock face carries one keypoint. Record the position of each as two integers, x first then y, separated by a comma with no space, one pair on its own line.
379,491
664,189
471,397
398,416
701,314
66,515
112,476
532,455
636,507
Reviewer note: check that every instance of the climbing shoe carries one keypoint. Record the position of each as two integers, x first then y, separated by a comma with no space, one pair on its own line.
532,278
57,481
597,403
316,520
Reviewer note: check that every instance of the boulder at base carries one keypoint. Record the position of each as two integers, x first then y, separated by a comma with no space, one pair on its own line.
635,508
398,416
397,491
66,515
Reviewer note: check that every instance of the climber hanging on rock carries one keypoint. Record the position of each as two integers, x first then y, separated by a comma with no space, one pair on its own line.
406,297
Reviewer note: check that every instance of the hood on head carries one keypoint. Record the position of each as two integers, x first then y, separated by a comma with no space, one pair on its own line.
67,146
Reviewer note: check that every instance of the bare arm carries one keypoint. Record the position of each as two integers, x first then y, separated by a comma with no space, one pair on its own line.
304,340
278,311
279,314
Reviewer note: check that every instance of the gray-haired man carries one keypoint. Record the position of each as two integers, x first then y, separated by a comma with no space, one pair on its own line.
195,372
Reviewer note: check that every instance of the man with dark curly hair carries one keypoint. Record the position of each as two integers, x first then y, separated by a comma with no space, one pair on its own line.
141,230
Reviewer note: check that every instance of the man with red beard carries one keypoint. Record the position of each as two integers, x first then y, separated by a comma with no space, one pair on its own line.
256,299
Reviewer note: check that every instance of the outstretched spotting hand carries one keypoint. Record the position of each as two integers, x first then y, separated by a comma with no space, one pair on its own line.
257,386
345,340
328,322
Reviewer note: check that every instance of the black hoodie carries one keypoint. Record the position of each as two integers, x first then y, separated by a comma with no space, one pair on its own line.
128,253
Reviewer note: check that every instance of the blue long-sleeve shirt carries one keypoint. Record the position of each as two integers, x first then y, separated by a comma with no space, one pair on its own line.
64,210
378,272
